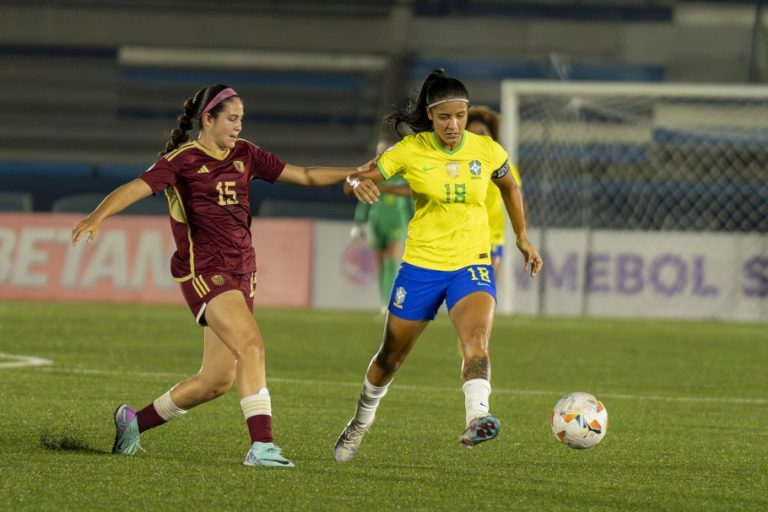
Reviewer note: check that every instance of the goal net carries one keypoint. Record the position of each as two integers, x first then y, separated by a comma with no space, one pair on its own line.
645,199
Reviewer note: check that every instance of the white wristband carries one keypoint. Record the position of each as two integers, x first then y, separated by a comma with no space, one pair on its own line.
353,182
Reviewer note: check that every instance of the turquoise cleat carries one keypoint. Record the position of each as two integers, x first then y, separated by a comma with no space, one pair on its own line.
127,435
480,430
267,455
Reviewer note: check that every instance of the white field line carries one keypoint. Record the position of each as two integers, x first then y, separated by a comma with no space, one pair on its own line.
498,391
18,361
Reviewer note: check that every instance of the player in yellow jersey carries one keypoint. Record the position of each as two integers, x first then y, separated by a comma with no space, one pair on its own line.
447,252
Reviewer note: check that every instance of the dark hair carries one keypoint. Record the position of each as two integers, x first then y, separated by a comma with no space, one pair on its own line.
436,87
190,115
487,116
387,136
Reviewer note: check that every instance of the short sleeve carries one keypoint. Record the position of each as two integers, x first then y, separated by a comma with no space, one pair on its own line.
161,175
265,165
498,155
501,165
391,161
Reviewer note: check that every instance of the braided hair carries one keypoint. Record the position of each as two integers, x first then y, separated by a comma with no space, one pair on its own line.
190,116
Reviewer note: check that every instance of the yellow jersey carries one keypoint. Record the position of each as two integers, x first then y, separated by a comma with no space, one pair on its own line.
496,209
449,229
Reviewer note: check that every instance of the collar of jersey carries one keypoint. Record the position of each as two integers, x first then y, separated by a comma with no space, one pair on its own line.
204,150
446,151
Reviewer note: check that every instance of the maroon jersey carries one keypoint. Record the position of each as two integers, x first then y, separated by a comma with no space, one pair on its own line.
209,201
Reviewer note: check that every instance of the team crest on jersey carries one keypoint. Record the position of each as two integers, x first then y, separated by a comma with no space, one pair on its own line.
452,168
217,280
475,168
203,170
399,297
240,166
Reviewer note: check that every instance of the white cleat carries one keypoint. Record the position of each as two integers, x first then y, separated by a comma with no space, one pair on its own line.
348,443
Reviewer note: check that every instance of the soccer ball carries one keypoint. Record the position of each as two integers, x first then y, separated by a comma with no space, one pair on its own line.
579,420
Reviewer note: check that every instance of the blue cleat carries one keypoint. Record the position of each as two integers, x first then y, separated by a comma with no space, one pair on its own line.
480,430
267,455
127,432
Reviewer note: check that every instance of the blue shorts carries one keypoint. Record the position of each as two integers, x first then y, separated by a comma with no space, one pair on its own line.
418,292
497,251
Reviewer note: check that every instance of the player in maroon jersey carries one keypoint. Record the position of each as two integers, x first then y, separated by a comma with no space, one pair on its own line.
207,184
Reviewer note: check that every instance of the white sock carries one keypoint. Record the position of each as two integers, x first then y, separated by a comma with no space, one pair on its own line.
476,393
165,407
260,403
369,400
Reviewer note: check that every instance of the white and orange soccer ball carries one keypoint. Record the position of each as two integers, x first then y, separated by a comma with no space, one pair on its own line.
579,420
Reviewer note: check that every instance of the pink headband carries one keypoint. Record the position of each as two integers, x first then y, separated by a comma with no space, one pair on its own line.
224,94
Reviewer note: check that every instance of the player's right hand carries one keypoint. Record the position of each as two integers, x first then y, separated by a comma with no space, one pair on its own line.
85,226
365,190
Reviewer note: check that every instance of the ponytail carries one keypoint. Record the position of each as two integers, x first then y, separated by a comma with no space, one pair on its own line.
190,116
437,87
180,135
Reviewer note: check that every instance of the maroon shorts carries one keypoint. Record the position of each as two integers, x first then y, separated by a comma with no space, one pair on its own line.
201,289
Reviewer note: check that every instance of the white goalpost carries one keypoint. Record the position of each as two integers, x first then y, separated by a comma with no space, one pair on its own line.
646,200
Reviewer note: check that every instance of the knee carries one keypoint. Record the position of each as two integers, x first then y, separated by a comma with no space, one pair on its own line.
250,347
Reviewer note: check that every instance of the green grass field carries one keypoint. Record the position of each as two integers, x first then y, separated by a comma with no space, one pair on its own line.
688,406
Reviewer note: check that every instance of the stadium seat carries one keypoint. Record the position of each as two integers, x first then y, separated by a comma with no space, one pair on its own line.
15,202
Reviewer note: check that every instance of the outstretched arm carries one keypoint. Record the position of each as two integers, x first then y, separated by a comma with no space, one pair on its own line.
117,200
513,201
323,176
320,176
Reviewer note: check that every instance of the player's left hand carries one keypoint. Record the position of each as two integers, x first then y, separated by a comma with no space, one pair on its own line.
533,261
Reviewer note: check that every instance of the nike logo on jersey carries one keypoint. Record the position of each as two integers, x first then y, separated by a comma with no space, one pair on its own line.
426,168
